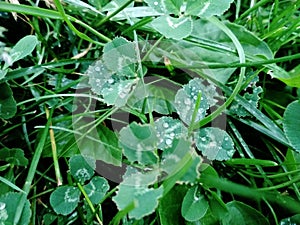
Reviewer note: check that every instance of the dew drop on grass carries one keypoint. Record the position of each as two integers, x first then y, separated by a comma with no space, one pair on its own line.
168,141
155,3
187,101
165,125
203,139
97,69
2,205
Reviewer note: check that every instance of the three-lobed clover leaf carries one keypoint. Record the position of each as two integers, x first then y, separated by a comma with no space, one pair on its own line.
181,25
114,76
96,189
135,190
139,143
207,8
214,143
82,167
170,27
167,130
185,101
14,156
65,199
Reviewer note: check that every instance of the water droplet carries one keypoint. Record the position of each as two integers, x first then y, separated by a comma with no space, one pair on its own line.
226,139
203,139
187,101
168,141
110,80
155,3
97,69
165,125
2,205
172,134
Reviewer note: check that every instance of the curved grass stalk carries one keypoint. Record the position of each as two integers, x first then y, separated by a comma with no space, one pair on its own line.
36,11
239,85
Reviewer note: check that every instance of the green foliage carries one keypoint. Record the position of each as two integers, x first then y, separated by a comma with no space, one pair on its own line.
214,143
179,28
135,190
170,206
23,48
138,143
176,28
183,114
13,156
64,199
239,213
8,106
291,124
185,102
96,189
8,205
194,205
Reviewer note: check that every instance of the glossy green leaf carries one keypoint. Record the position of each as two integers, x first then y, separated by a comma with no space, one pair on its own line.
139,143
115,88
291,124
194,205
119,55
172,155
293,220
292,160
114,76
208,44
185,101
294,79
152,98
13,156
170,27
8,105
242,214
192,173
214,143
207,8
135,177
166,6
8,205
23,48
64,199
291,78
167,130
146,199
170,206
108,151
96,189
82,167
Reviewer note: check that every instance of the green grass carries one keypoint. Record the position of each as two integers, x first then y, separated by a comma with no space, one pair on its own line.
243,64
